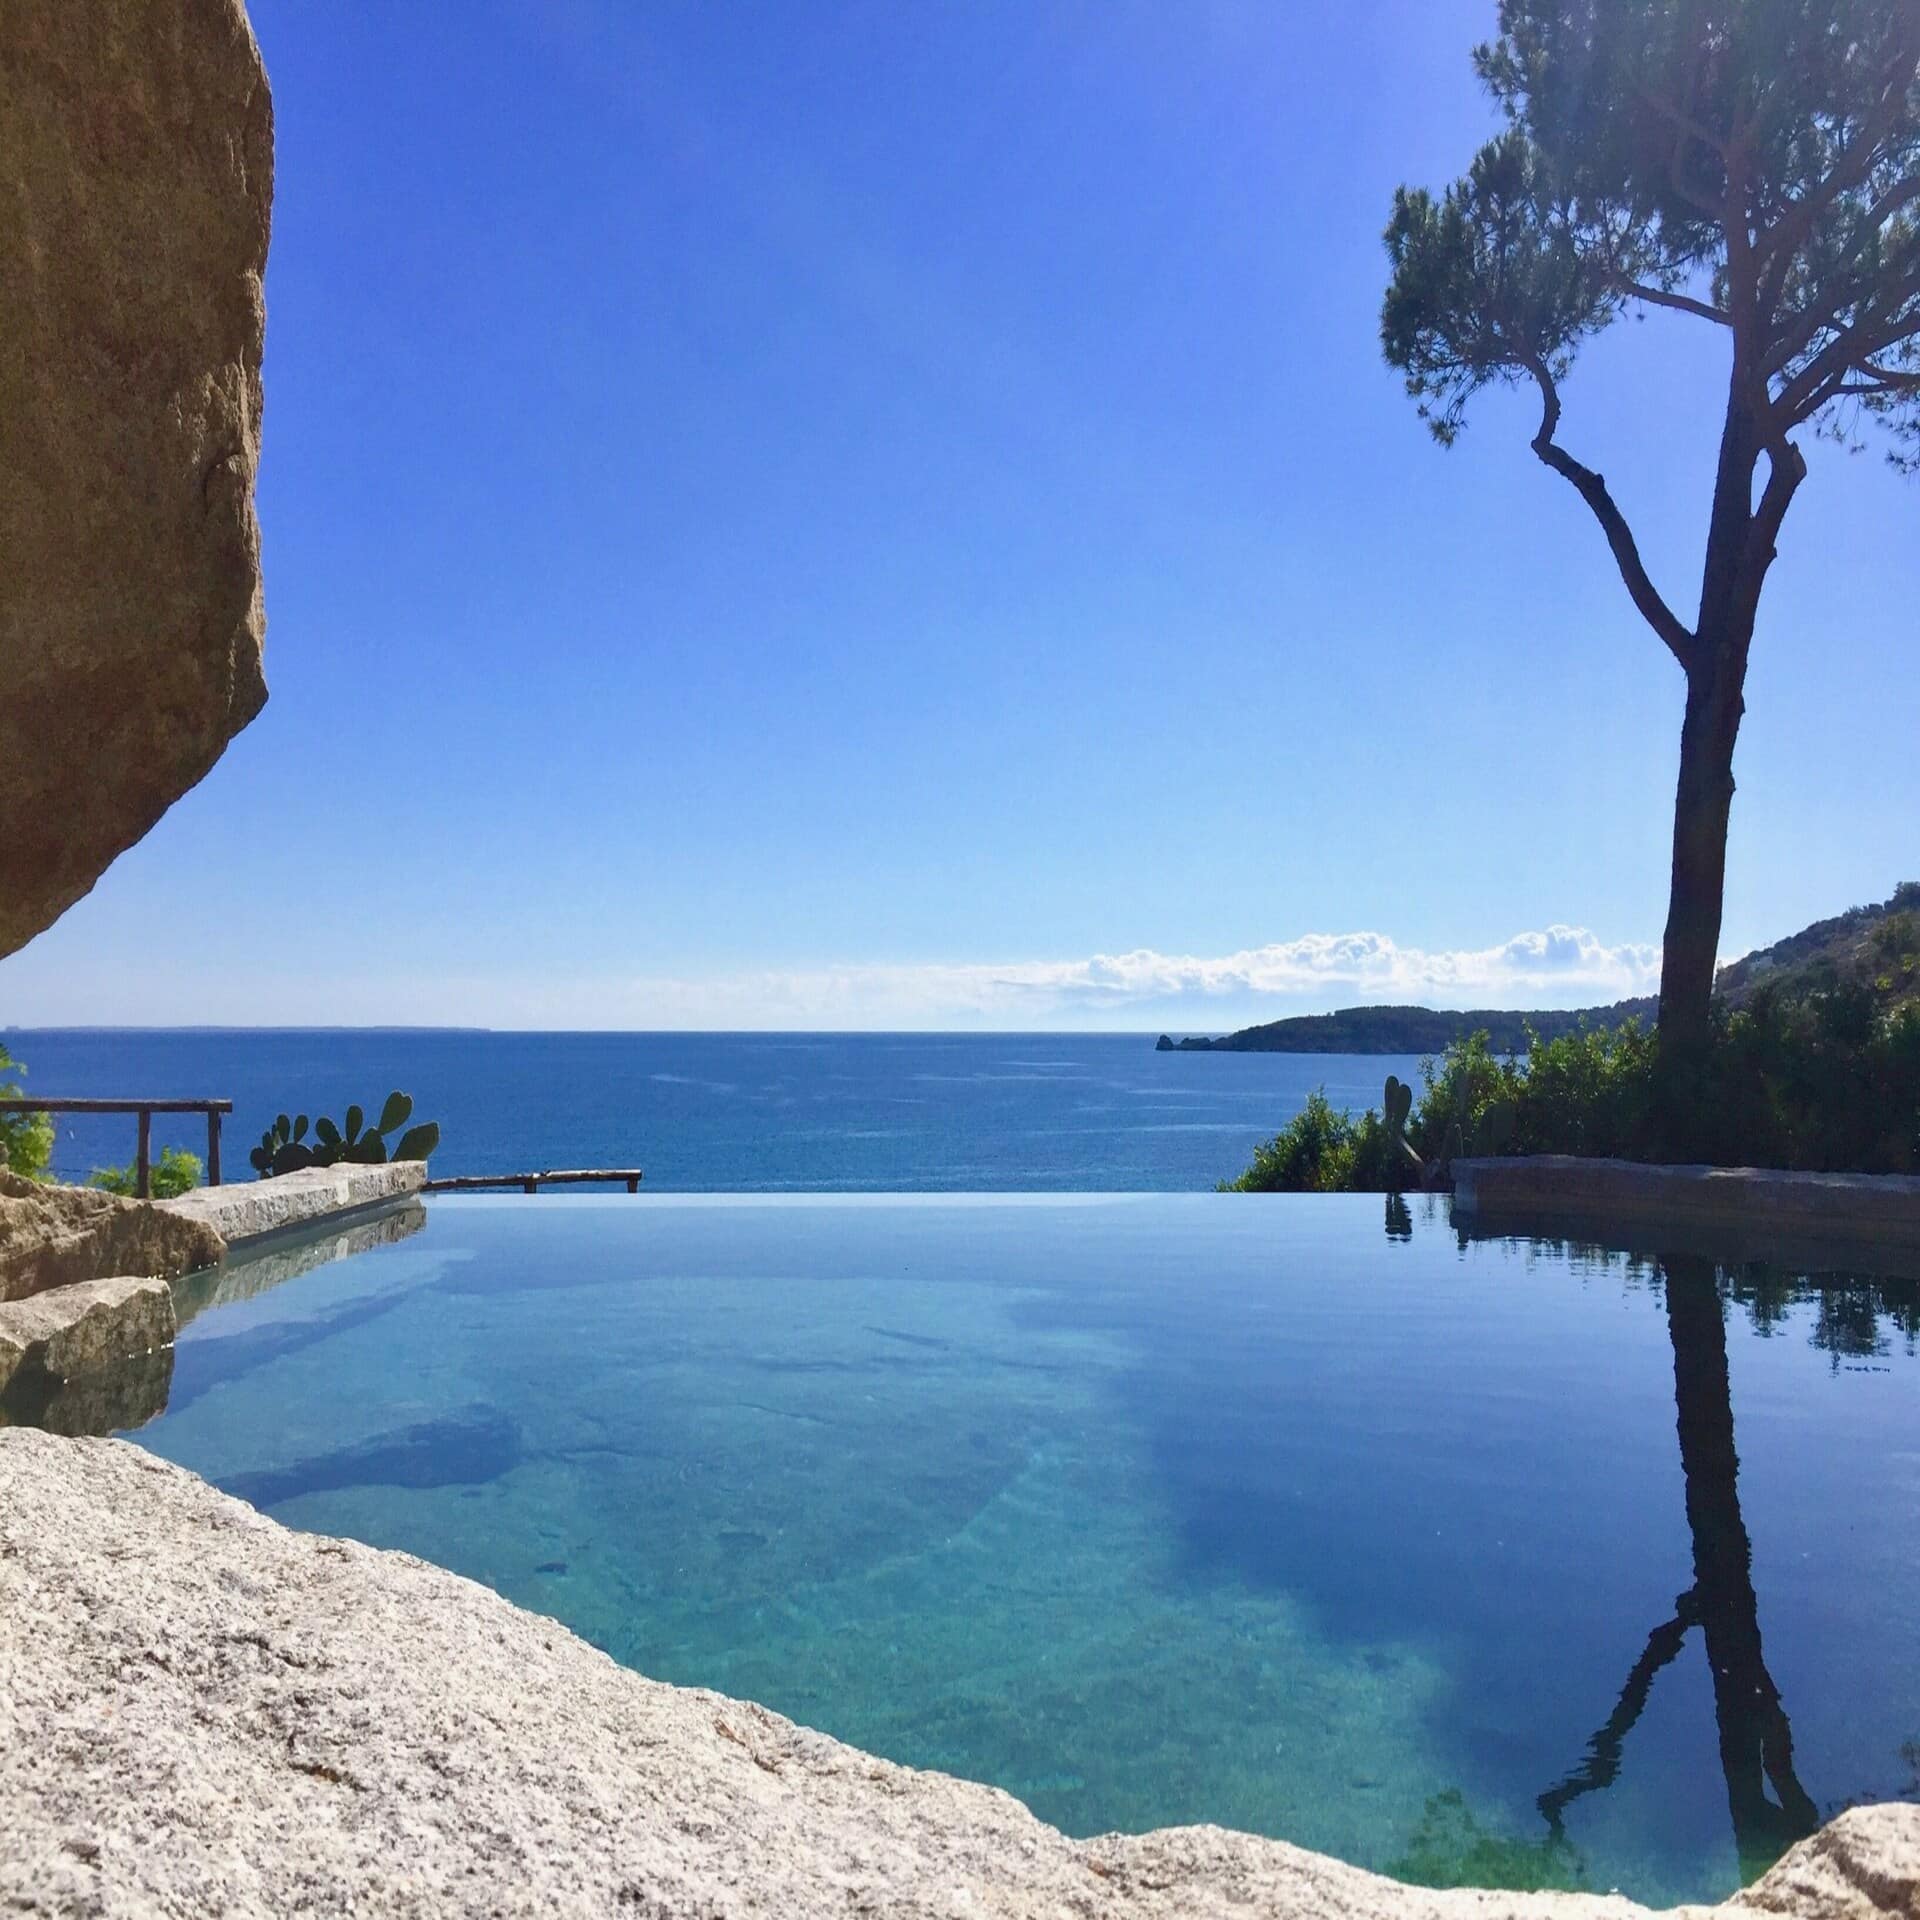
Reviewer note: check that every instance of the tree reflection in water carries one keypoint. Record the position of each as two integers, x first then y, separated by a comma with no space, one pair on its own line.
1756,1742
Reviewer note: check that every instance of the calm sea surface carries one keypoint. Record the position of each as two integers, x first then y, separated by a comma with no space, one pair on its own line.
715,1112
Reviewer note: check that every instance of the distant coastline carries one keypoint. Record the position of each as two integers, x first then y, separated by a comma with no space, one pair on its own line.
1406,1030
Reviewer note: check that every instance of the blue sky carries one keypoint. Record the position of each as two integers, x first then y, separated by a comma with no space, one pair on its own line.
871,515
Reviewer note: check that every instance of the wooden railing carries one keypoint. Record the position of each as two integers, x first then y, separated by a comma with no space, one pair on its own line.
533,1182
146,1109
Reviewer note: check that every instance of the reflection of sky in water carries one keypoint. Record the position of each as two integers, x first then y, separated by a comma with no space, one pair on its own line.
1152,1510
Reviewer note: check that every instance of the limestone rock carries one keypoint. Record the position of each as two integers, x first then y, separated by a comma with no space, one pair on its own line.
249,1208
79,1331
135,180
206,1713
53,1236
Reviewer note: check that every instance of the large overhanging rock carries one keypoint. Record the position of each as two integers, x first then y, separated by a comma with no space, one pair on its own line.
203,1712
136,172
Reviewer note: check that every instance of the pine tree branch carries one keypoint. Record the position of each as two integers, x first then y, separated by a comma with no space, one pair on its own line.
1592,488
1786,468
1851,349
1679,302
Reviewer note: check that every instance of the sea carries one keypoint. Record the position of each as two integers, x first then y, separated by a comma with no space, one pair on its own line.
722,1112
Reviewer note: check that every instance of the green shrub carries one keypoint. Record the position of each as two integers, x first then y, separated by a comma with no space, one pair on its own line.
1590,1092
1823,1083
176,1172
1312,1153
26,1137
1897,936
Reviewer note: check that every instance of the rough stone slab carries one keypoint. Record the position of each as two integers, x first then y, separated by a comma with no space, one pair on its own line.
202,1712
136,172
84,1329
1882,1209
250,1208
53,1236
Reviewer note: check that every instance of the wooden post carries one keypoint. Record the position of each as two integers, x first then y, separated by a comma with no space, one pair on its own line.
532,1185
213,1146
633,1184
143,1157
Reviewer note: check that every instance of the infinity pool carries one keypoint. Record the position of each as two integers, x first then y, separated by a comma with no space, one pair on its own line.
1304,1515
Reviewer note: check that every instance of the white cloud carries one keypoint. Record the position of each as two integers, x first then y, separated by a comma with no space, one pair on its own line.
1563,966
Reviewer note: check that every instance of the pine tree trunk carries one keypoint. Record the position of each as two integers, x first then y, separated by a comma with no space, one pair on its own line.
1716,685
1702,807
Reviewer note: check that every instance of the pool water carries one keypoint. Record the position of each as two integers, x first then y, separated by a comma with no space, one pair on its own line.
1491,1562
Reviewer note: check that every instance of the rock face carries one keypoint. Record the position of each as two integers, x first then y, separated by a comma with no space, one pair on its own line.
202,1712
53,1236
135,180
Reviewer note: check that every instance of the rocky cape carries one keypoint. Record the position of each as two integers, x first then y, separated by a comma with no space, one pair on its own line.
1408,1029
203,1712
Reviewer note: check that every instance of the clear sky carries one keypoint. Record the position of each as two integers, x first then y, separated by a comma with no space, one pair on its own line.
822,514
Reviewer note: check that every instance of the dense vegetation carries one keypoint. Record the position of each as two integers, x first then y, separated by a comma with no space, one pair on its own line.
26,1139
176,1172
1828,1081
1876,948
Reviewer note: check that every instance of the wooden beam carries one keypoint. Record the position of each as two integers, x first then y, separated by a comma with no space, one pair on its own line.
630,1177
143,1157
31,1103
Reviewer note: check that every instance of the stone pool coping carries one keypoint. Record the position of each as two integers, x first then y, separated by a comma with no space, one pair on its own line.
1843,1212
251,1210
208,1712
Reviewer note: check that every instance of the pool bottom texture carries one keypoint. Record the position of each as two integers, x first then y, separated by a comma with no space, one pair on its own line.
1501,1564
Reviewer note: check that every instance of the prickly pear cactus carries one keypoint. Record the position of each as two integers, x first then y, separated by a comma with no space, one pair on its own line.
283,1147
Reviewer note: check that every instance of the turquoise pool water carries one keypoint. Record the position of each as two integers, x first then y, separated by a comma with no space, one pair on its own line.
1302,1515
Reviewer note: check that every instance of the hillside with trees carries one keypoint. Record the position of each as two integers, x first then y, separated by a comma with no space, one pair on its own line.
1873,949
1408,1029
